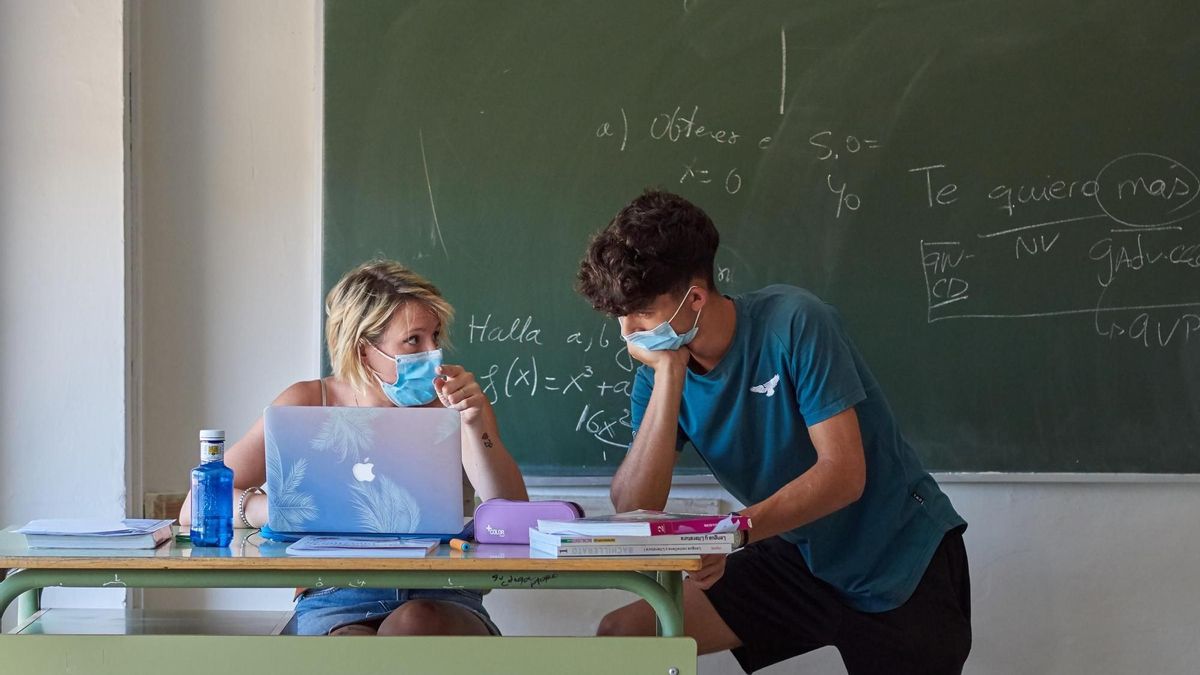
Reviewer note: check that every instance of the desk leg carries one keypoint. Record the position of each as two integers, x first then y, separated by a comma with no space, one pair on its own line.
28,604
672,583
25,587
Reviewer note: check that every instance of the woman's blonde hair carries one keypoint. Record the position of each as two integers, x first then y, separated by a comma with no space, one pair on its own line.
360,305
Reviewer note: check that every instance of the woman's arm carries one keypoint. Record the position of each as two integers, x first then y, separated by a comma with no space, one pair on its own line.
247,458
491,469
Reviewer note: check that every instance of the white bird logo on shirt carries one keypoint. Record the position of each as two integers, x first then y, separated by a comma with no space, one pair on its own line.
767,387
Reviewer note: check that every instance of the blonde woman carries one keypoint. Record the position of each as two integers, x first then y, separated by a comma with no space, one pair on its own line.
382,318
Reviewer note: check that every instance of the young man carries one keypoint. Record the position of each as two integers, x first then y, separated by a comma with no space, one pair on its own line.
853,544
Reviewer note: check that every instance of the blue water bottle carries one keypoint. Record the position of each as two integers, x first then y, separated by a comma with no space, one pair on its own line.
212,493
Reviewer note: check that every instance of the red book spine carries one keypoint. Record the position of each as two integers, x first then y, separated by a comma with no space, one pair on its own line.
696,525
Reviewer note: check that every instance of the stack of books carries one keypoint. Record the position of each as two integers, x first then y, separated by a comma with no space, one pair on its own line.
96,533
638,533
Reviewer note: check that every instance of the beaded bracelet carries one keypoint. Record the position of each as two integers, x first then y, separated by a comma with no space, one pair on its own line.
241,506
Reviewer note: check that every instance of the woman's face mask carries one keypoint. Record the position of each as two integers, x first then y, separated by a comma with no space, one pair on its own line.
414,377
663,336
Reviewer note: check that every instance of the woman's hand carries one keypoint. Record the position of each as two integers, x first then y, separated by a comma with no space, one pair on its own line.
458,390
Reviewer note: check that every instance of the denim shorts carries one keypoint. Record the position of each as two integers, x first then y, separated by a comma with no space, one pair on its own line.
321,610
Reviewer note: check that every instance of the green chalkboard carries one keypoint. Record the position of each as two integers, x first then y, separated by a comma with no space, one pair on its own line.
1000,197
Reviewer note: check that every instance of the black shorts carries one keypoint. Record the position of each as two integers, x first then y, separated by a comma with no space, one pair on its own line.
778,609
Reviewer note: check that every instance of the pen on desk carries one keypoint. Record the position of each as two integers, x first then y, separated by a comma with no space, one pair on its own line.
460,545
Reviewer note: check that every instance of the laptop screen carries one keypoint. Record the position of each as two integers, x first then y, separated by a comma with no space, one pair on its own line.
363,470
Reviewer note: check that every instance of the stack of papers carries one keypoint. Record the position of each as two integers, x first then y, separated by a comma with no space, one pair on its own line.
96,533
100,527
363,547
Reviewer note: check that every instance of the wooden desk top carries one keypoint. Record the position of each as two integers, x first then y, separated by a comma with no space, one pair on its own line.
250,551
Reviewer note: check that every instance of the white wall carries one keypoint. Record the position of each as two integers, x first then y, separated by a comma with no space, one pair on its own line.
62,265
1085,578
228,172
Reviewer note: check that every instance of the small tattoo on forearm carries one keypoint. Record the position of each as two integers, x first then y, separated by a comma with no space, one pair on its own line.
487,442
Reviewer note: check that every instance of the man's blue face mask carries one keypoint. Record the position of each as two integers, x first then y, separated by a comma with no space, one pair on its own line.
663,336
414,378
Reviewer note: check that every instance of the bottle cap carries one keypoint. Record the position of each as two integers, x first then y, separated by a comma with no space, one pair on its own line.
212,435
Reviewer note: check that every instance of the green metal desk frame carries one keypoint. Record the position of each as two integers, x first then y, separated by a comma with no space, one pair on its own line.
670,654
664,592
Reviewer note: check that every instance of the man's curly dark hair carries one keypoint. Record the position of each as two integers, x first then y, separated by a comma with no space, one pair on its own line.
656,244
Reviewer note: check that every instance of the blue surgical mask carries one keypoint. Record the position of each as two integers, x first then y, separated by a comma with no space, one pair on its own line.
414,378
663,336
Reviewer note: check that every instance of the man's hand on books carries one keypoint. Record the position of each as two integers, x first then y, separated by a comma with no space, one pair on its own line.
712,568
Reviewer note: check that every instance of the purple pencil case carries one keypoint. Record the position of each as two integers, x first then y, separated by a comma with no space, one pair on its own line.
503,521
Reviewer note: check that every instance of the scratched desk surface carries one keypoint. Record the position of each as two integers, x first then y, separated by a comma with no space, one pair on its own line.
250,551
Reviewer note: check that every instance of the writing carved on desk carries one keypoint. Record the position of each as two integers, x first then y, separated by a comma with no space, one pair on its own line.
530,581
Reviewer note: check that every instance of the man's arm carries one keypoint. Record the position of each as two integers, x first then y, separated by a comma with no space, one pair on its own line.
643,481
835,481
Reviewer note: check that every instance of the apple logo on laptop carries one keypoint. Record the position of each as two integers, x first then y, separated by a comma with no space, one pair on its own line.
364,471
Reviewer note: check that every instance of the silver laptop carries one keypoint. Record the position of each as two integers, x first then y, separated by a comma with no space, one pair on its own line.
342,470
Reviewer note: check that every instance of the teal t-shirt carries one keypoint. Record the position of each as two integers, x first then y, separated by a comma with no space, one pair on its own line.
790,366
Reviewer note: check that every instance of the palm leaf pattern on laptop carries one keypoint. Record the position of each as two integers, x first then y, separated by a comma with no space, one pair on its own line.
290,507
346,432
383,506
446,427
